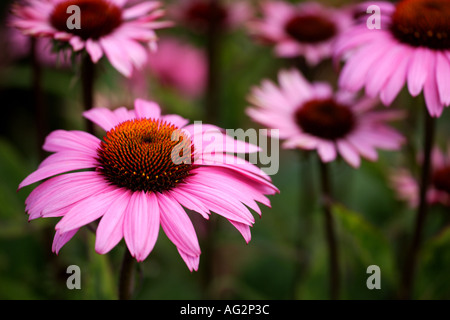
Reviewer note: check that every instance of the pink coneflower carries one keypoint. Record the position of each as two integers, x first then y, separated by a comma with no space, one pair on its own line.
412,47
131,182
306,29
18,46
107,27
406,184
198,14
179,65
310,116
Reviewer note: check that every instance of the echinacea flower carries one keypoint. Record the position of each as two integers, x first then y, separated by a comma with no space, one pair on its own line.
124,34
311,116
141,176
307,29
406,185
198,14
179,65
412,46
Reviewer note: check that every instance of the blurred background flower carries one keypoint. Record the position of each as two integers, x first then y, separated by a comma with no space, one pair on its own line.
300,30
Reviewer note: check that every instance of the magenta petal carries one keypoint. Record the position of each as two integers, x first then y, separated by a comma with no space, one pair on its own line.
380,75
326,151
61,238
418,70
349,153
397,79
244,229
357,69
192,262
87,210
58,196
431,93
110,229
59,163
61,140
442,77
177,225
141,225
94,50
147,109
117,55
102,117
190,203
176,120
220,203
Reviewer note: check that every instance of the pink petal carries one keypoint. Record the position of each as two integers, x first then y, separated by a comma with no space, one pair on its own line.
102,117
139,9
431,92
59,163
220,203
244,229
57,195
110,229
61,140
192,262
87,210
442,77
177,225
348,153
190,203
175,119
61,238
326,151
381,74
147,109
418,70
117,55
94,50
141,225
355,72
397,79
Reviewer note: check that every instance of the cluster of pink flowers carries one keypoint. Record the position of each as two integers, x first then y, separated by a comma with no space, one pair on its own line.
128,180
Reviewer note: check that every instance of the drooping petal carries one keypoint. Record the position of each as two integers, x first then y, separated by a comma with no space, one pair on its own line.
177,225
110,229
141,225
87,210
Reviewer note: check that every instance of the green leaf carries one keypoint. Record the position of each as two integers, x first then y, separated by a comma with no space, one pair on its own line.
433,277
362,245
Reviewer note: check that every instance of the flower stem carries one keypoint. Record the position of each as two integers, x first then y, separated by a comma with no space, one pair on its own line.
329,231
39,106
407,285
126,281
87,83
212,46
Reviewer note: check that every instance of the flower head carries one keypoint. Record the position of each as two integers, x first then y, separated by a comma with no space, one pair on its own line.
406,184
142,175
311,116
307,29
412,46
180,66
107,27
198,14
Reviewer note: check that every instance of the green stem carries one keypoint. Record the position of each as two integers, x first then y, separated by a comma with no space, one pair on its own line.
126,281
407,285
87,83
39,106
213,35
330,232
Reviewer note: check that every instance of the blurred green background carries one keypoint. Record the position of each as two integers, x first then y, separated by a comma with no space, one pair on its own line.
287,257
